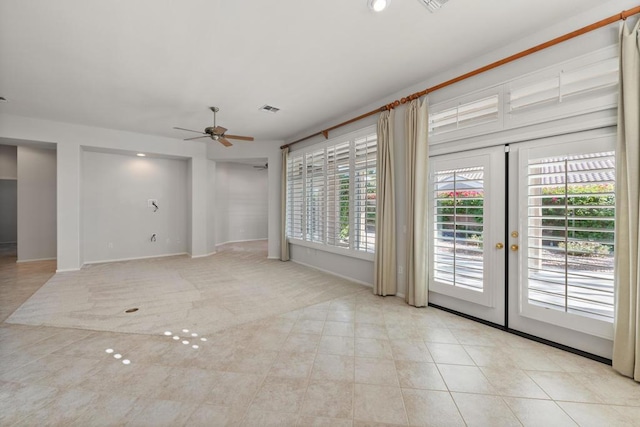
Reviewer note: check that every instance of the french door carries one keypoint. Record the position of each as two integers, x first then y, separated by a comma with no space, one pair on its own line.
467,214
541,215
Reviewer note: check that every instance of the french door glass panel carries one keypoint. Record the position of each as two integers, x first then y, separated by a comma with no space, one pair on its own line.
566,227
467,221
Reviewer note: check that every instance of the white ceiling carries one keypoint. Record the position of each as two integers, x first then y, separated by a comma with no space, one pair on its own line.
148,65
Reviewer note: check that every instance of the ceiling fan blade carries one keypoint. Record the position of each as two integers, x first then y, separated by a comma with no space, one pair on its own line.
219,130
196,137
224,141
189,130
241,138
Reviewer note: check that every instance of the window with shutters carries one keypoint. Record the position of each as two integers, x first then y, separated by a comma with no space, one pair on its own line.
570,222
295,196
331,194
578,86
365,152
458,227
473,114
315,196
338,194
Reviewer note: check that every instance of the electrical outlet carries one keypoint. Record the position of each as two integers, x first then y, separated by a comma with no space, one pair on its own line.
110,245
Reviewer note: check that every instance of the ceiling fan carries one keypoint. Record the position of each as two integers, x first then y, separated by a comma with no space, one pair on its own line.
217,133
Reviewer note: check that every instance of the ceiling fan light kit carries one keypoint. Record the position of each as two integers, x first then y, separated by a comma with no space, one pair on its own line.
216,133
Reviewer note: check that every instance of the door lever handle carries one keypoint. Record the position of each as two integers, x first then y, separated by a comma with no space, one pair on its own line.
499,246
514,248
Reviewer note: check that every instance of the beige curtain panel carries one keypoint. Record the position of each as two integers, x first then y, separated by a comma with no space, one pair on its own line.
626,343
417,160
384,280
284,243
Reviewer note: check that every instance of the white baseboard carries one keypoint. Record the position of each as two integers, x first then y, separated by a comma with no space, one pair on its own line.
239,241
203,256
66,270
401,296
274,257
134,258
37,259
351,279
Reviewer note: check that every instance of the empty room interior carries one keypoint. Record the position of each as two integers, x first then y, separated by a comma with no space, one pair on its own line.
350,213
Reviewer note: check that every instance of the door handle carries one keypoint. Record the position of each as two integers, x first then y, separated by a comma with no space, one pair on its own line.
499,246
514,248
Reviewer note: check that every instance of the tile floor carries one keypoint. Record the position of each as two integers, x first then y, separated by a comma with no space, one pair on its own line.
350,360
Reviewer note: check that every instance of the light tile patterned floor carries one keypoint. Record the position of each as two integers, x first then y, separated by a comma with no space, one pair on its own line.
348,360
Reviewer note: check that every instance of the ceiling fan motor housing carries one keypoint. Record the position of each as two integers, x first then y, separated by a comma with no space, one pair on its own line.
210,131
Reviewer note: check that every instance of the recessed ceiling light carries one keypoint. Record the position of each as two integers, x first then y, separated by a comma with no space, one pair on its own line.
141,155
378,5
433,5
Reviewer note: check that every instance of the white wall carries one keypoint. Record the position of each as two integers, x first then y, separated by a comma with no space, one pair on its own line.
269,150
359,269
117,222
8,210
8,194
8,162
241,202
211,207
36,204
70,140
221,205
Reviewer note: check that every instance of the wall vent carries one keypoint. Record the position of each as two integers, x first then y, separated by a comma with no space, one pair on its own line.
269,108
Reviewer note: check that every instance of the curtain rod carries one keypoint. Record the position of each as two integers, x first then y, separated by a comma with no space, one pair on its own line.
603,23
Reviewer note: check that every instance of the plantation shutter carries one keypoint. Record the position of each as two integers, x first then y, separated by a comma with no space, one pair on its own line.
365,192
579,86
295,190
338,189
464,115
458,227
315,196
571,206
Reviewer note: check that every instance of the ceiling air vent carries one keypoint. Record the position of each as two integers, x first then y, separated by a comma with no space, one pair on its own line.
269,108
433,5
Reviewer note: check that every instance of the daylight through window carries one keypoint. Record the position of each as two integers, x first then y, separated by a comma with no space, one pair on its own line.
331,194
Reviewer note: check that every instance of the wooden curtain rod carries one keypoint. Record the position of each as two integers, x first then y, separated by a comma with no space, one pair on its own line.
603,23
